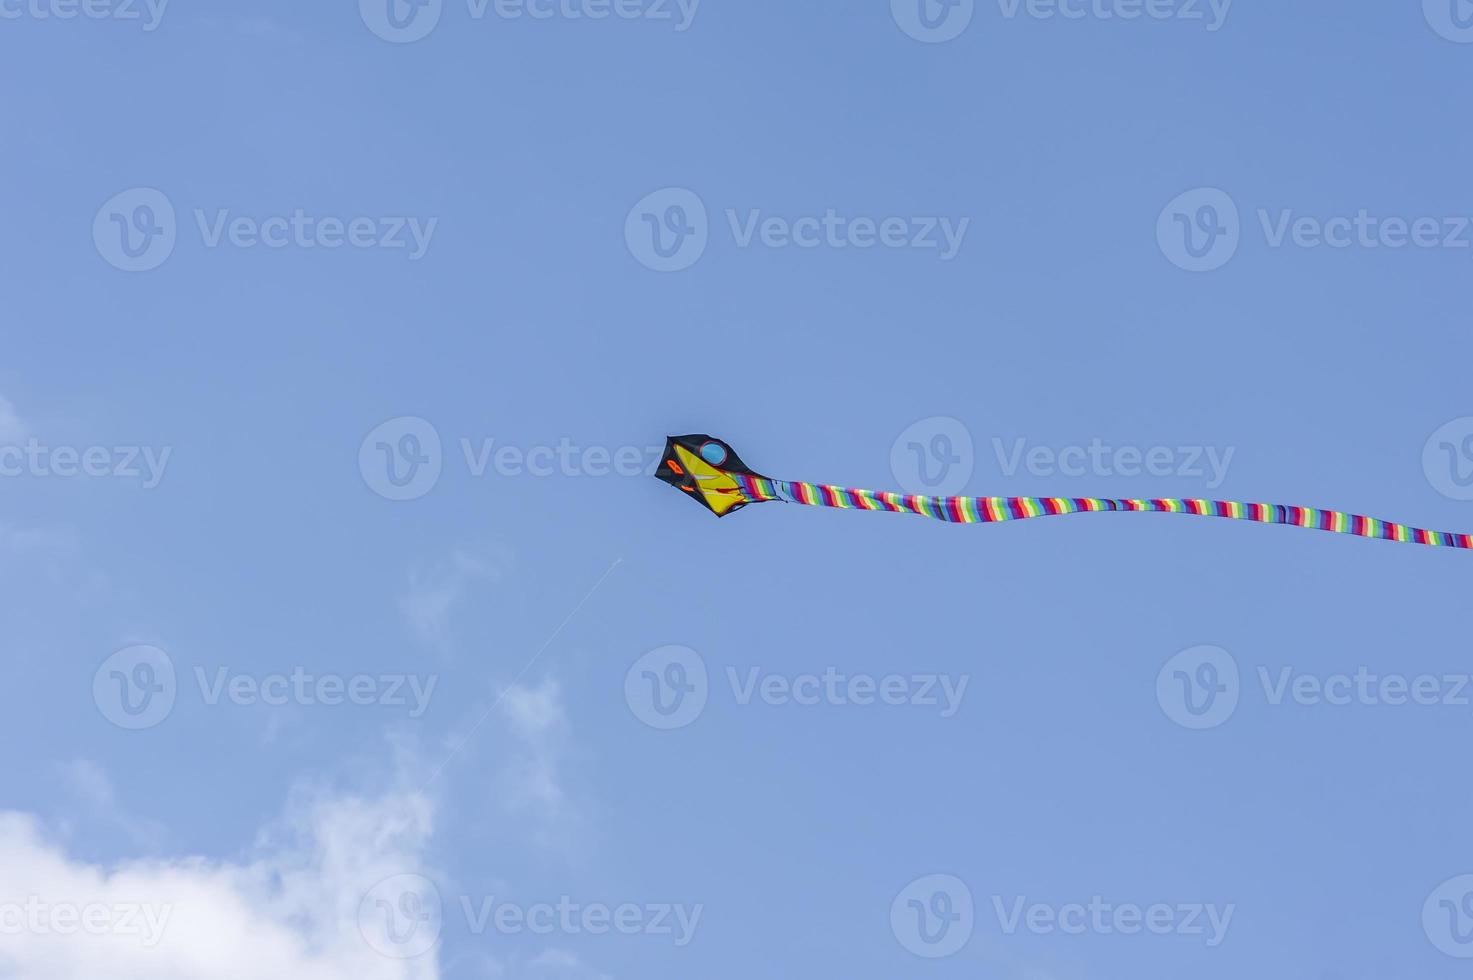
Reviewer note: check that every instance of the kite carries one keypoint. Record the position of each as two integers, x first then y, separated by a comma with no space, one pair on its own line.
710,472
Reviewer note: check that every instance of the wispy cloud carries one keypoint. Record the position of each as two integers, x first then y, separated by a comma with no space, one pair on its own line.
532,780
552,963
562,964
51,551
19,541
266,29
436,590
291,911
525,756
95,791
12,429
536,718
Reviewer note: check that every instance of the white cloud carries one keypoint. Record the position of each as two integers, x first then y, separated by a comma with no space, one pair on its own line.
267,30
46,542
534,714
435,591
561,963
532,781
12,429
49,551
291,911
550,964
525,757
94,788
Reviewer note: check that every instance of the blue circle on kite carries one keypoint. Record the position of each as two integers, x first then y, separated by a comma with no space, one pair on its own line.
714,453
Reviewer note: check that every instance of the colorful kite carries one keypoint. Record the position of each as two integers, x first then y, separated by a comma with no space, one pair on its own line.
709,471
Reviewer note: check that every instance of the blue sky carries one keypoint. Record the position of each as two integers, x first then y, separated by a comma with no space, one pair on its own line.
334,356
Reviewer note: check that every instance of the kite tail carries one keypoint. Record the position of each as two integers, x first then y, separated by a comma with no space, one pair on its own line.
985,510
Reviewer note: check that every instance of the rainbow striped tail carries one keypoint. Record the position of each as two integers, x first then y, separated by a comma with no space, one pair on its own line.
987,510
